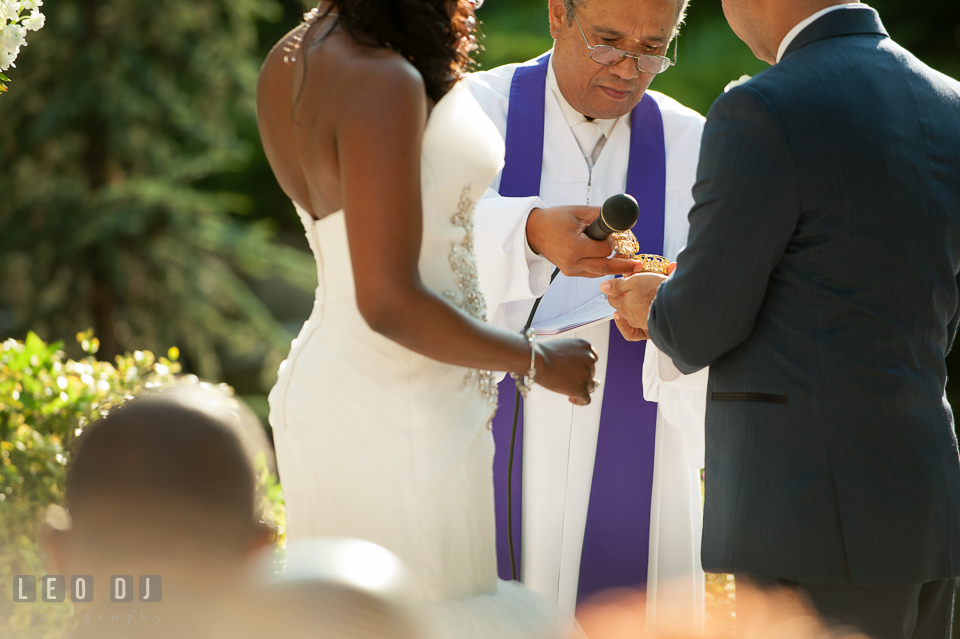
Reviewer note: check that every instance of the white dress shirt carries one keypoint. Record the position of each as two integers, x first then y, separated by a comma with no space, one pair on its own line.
591,139
794,32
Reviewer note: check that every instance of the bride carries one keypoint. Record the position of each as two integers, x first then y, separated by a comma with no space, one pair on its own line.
382,411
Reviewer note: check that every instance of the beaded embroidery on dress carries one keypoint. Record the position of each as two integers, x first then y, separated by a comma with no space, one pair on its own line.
379,443
470,298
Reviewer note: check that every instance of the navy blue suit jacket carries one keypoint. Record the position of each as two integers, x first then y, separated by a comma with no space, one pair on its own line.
820,285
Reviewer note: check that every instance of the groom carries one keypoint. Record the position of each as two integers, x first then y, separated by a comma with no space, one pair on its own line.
820,284
580,126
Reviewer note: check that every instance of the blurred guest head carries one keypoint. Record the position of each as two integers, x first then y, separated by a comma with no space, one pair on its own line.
762,613
165,473
163,486
341,589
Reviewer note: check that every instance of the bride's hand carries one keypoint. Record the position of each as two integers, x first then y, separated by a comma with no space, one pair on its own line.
566,366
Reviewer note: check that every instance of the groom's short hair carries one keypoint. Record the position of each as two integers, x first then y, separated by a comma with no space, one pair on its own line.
573,5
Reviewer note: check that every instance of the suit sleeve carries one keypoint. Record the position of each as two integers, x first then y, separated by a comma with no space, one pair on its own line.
746,210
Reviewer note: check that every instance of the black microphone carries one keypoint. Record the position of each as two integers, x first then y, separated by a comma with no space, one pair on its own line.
619,213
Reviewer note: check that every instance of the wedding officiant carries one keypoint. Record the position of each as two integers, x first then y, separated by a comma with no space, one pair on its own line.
580,126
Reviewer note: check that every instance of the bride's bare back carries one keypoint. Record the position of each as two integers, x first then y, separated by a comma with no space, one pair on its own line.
309,99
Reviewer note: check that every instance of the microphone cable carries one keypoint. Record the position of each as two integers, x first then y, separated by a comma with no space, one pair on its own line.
513,443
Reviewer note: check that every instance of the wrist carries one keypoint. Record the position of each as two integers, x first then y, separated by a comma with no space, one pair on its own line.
527,377
532,230
520,362
540,358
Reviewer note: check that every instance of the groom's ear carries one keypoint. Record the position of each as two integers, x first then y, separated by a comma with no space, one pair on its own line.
558,17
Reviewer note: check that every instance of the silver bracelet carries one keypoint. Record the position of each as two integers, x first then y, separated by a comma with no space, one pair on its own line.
525,382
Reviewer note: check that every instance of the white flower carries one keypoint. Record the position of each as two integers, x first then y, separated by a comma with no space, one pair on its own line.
7,58
31,5
736,83
9,10
12,37
35,22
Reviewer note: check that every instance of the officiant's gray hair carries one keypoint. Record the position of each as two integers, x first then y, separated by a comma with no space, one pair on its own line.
572,6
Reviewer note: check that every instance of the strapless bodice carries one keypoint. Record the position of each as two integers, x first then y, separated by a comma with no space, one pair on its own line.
461,154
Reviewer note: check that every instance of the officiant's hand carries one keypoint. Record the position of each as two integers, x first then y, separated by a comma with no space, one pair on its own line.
557,233
631,297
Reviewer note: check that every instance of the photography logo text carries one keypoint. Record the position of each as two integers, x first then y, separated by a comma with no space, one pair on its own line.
53,588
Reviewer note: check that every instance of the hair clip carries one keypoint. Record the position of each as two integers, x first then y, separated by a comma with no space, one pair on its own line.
309,19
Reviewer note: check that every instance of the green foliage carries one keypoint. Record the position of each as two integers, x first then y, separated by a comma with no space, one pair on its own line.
272,506
123,108
46,400
512,32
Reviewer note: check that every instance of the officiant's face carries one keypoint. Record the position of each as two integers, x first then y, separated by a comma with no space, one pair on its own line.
637,26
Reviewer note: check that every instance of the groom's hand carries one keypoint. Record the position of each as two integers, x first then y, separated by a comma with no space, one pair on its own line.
631,297
557,233
630,333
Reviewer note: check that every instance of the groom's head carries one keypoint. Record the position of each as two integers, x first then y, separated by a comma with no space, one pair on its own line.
636,26
763,24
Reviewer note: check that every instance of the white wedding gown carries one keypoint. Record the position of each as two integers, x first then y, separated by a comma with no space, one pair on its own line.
379,443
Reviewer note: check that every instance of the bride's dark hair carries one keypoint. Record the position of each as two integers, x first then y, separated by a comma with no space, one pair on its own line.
436,36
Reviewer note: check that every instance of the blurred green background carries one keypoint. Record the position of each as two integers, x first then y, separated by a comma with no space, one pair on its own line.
135,197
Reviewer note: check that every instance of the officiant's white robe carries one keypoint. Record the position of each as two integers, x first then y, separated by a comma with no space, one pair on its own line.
560,440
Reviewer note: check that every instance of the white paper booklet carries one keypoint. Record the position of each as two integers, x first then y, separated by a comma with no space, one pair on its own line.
593,312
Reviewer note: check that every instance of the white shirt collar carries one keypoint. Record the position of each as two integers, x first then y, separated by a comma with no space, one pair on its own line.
794,32
571,115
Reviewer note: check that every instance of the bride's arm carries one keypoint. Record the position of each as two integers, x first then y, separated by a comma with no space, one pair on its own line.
379,135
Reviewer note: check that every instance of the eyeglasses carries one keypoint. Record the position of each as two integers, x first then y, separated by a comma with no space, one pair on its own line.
609,56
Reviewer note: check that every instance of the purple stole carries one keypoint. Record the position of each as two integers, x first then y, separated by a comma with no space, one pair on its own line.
616,540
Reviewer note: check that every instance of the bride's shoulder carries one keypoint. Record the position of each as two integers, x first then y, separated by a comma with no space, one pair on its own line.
384,76
345,70
366,78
